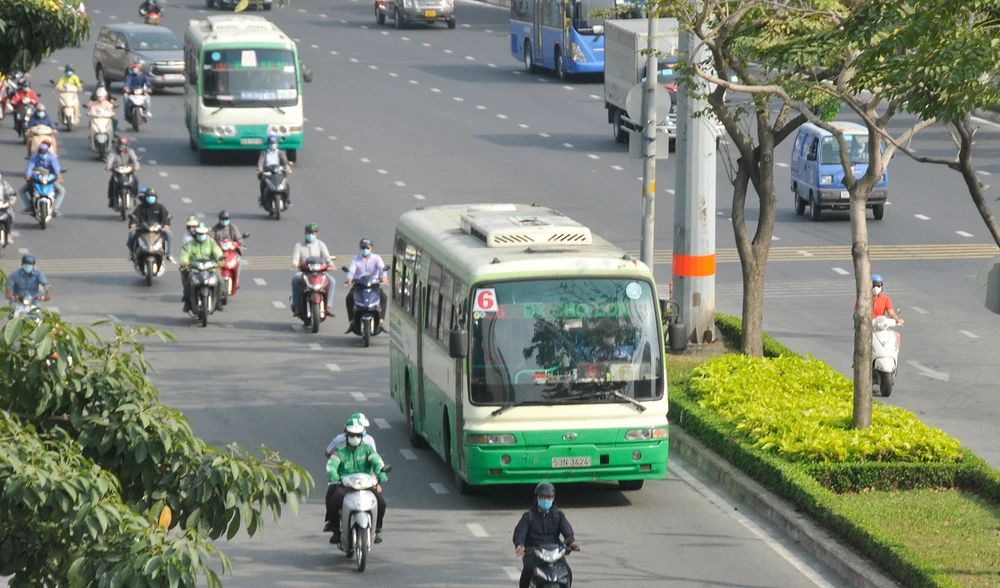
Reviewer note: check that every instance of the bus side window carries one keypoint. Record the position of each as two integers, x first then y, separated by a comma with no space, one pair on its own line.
447,310
460,301
433,299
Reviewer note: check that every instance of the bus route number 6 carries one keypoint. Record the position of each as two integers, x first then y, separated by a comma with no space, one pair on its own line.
486,300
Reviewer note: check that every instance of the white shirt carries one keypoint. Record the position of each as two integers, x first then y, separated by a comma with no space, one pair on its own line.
366,266
272,158
342,438
304,250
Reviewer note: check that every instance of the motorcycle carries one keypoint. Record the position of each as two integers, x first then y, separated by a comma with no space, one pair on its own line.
551,569
153,17
885,354
101,132
69,106
149,252
135,108
23,113
367,307
230,265
43,185
275,191
311,308
123,188
25,309
358,516
39,134
203,289
5,211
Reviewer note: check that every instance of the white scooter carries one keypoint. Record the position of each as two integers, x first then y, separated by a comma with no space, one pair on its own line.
101,131
69,106
358,516
885,354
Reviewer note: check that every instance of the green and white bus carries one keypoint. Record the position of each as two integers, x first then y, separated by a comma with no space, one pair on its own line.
244,82
525,348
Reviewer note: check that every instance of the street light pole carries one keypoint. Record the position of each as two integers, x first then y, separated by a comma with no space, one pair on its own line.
649,146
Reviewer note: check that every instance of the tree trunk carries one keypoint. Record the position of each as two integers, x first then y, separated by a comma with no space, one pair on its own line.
965,135
752,338
862,416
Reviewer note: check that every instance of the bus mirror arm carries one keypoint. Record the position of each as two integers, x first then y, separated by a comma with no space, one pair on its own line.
458,343
307,75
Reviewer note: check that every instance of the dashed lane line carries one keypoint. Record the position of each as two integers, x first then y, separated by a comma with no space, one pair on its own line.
969,334
186,200
333,367
175,187
477,530
918,309
513,573
259,281
841,271
419,196
382,424
152,162
617,168
963,234
399,184
408,454
114,318
922,217
164,174
359,397
278,304
315,347
438,488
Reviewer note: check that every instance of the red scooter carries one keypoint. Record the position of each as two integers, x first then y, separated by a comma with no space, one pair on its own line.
311,308
229,269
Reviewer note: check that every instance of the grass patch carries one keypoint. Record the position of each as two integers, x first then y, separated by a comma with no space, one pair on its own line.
955,533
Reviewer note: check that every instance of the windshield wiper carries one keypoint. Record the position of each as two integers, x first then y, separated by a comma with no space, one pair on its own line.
616,394
507,407
272,105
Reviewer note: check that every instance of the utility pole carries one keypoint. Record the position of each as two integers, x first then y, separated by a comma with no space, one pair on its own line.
649,145
694,203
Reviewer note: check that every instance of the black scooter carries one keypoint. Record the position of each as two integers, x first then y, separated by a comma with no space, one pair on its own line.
367,307
551,569
275,197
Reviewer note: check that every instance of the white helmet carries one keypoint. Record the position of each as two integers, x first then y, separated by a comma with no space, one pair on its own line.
101,93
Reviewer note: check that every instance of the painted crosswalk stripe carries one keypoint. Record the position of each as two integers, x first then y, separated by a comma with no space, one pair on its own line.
358,397
438,488
477,530
408,454
315,347
278,304
382,423
333,367
512,572
259,281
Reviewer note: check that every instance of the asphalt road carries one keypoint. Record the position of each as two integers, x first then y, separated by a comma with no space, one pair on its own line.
426,116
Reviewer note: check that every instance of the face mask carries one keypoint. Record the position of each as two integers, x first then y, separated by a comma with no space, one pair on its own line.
272,147
354,441
544,504
310,238
28,268
876,290
135,72
366,252
69,73
202,238
224,222
151,200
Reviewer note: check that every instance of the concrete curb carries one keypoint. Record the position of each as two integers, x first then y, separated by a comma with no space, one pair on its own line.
987,115
806,533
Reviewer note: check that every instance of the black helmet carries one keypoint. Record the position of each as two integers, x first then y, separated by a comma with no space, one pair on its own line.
223,215
151,192
365,242
28,259
545,489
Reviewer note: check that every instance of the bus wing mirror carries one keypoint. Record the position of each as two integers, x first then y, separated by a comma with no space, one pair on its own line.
811,156
458,343
307,75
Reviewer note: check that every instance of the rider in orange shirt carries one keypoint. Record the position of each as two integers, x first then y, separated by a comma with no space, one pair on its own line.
882,304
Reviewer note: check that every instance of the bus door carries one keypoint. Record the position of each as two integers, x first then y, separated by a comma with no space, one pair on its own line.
419,411
537,55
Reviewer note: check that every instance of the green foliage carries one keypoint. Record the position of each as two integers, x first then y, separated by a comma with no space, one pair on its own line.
801,409
88,458
731,328
31,30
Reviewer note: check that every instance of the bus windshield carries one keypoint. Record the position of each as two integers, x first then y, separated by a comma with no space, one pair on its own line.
565,341
857,146
249,78
584,19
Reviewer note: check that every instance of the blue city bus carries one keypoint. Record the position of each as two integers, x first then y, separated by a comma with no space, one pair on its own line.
560,35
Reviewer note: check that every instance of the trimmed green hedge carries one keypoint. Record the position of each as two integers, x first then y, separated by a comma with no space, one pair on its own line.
811,486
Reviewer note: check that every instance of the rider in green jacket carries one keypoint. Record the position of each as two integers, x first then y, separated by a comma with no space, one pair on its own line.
201,248
349,458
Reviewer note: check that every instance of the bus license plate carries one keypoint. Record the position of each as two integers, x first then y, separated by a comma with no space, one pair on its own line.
571,462
252,141
845,194
430,13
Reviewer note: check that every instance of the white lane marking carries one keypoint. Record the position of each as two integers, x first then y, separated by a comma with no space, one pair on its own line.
342,21
314,347
22,250
186,200
502,116
470,58
354,60
278,304
113,17
332,137
151,162
466,26
385,32
259,281
15,233
318,129
141,149
200,214
480,107
96,11
669,190
780,164
426,44
393,74
775,238
590,155
408,454
477,530
969,334
568,87
334,53
841,271
399,184
516,73
458,99
315,46
438,488
513,573
54,309
382,172
365,160
928,372
546,136
358,397
348,148
364,27
617,168
918,309
983,172
164,174
523,126
488,31
372,67
491,65
321,15
414,82
805,253
922,216
333,367
595,96
405,38
382,423
419,196
542,80
436,90
297,40
963,234
114,318
731,510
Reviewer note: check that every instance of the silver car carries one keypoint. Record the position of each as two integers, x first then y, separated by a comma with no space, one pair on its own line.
155,48
406,12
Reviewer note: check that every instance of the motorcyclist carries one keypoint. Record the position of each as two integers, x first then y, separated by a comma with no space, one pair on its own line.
149,6
310,246
201,248
39,118
123,155
100,100
365,263
341,438
26,282
9,196
23,94
42,159
882,305
191,228
147,213
348,458
225,229
268,157
70,78
136,78
542,524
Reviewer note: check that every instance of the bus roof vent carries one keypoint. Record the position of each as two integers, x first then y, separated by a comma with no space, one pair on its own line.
239,22
501,229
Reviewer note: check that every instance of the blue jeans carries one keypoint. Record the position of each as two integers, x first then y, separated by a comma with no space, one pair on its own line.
297,291
26,199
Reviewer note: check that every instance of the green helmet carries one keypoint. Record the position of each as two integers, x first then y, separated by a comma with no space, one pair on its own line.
361,417
354,425
312,228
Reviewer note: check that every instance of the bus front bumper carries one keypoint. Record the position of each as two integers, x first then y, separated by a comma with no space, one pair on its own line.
631,461
587,67
211,141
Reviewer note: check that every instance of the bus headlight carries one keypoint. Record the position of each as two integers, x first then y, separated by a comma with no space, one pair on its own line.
477,439
578,54
826,179
646,434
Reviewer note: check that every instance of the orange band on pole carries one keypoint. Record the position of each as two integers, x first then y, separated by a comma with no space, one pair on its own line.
694,266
